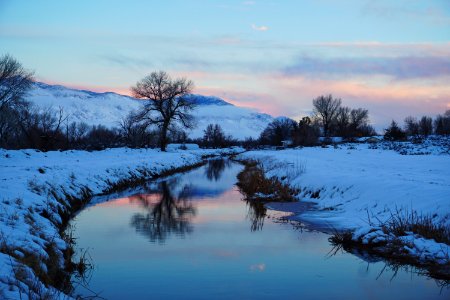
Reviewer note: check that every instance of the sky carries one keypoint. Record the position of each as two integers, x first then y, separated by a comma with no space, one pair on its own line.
391,57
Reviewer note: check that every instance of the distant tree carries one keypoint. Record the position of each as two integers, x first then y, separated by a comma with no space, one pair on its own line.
426,126
350,123
326,108
214,136
366,130
136,134
177,134
394,133
76,134
166,103
41,128
101,137
305,134
10,132
411,126
15,82
277,131
342,121
249,143
359,121
442,124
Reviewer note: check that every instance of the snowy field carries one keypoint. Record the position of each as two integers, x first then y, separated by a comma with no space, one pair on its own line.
29,180
358,187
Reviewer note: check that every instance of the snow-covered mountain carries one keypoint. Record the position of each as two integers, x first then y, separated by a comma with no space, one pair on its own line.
109,108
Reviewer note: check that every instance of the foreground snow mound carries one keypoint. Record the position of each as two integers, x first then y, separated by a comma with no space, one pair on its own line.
409,245
108,109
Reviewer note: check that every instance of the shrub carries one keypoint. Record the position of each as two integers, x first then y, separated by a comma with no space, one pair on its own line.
394,133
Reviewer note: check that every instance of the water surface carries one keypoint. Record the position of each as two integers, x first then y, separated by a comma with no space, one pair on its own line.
193,237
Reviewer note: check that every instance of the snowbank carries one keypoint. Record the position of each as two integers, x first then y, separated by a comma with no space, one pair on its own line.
35,187
172,147
354,185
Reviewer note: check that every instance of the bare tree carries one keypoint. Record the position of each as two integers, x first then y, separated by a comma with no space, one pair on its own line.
135,133
305,134
359,121
214,136
14,82
166,102
343,121
277,131
411,126
326,108
426,126
75,133
442,123
42,128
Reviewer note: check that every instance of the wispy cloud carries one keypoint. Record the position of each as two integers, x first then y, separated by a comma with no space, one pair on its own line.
260,28
248,2
406,67
432,11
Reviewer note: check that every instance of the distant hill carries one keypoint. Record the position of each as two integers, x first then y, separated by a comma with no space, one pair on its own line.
109,108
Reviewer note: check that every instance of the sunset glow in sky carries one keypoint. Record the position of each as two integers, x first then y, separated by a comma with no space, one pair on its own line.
392,57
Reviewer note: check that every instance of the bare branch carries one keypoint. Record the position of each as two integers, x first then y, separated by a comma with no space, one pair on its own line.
166,102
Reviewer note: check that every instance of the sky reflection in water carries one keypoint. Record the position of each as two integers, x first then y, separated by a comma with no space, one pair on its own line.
192,236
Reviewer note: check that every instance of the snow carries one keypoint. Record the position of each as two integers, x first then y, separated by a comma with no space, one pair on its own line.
28,178
108,109
173,147
358,185
426,250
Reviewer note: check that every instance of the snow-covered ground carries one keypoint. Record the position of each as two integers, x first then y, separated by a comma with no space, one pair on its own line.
29,181
355,184
108,109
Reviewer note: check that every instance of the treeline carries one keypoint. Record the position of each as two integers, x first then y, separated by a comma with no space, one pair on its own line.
329,118
27,126
417,129
165,114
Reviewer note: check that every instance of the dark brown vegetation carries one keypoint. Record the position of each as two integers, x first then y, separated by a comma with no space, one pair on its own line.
257,187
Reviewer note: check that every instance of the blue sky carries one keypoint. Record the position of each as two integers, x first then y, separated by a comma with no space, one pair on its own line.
392,57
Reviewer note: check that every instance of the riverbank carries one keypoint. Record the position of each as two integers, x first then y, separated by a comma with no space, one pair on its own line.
359,186
40,191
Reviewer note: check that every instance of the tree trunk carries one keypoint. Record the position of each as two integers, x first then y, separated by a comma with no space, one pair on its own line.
163,137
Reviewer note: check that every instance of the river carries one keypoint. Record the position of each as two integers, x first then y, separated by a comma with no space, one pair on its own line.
192,236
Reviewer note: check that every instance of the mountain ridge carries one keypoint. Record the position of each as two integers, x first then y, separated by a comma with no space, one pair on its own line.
108,108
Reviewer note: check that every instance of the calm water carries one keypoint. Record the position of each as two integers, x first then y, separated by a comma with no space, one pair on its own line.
193,237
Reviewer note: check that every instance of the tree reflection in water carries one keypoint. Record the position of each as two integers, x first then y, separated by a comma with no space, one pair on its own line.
215,168
168,215
256,214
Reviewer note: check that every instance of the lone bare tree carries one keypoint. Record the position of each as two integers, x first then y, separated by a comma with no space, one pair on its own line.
166,103
326,108
14,82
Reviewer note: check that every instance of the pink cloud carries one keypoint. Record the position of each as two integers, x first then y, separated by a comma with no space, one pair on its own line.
403,67
90,87
278,94
385,99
